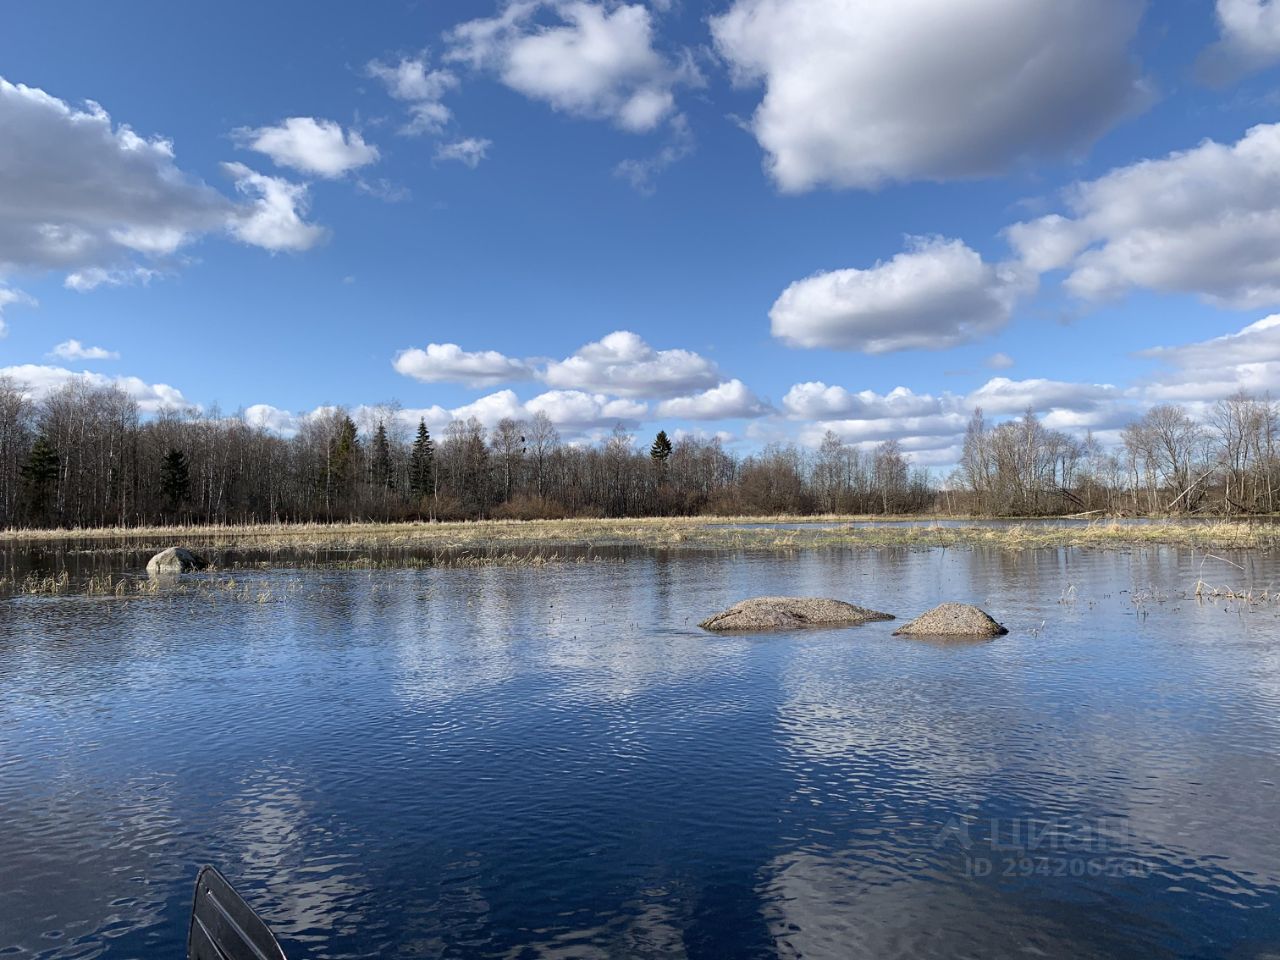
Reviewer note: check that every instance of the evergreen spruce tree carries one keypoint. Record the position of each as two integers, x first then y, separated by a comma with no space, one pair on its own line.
382,478
175,478
40,479
661,448
422,463
342,458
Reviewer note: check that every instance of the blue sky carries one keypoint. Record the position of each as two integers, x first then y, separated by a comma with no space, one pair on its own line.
822,218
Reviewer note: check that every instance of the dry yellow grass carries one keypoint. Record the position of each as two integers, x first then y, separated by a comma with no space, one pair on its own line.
710,533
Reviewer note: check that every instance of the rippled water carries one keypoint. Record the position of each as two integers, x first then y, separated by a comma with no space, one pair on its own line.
556,762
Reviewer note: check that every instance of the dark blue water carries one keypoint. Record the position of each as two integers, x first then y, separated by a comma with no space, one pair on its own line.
556,762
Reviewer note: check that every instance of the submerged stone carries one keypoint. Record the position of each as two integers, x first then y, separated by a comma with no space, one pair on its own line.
790,613
952,620
175,560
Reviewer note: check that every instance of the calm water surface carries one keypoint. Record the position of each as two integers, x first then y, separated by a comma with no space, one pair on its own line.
556,762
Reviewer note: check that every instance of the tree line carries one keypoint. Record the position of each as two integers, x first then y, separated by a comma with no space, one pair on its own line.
85,456
1166,462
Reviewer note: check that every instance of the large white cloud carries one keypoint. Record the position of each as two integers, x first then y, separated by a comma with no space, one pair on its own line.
81,194
592,60
449,363
316,147
623,364
937,294
1203,221
730,400
77,191
1250,40
38,381
861,92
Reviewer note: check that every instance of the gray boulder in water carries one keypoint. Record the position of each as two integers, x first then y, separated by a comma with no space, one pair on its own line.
175,560
952,620
790,613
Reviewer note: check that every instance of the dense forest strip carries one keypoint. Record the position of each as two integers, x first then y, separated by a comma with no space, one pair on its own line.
85,456
666,532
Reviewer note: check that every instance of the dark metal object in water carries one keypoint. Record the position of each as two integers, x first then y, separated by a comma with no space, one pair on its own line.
224,927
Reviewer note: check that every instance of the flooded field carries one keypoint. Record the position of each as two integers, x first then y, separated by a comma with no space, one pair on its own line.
522,758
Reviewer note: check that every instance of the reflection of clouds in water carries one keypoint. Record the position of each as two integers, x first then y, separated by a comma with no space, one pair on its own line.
906,728
1027,725
837,905
302,879
1200,806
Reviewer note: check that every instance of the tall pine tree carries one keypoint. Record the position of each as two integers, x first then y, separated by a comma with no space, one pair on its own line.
341,463
175,478
661,448
422,463
382,478
40,479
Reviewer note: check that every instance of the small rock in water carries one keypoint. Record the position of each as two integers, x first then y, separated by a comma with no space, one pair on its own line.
175,560
790,613
952,620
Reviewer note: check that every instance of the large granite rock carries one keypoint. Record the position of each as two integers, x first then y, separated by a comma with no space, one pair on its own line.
952,620
790,613
175,560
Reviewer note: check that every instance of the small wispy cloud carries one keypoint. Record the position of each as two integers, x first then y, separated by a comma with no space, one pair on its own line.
75,350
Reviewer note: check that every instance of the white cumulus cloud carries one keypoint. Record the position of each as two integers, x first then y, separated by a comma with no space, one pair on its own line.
78,191
275,219
266,417
1001,395
623,364
578,410
937,294
1207,370
862,92
592,59
449,363
817,401
315,147
728,401
38,381
1249,40
1203,221
84,195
